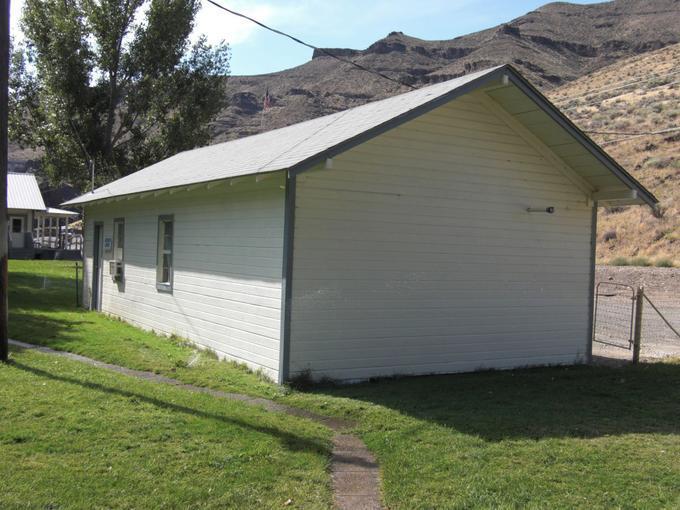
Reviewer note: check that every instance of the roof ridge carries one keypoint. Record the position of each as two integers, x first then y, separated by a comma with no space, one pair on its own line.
341,112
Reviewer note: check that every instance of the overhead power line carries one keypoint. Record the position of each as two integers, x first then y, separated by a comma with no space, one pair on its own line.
322,50
653,133
601,102
628,135
634,133
621,85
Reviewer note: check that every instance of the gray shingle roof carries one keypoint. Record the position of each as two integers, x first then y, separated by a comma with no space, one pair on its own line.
274,150
302,145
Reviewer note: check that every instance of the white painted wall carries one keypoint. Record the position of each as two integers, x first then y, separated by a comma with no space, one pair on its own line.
18,240
228,247
415,254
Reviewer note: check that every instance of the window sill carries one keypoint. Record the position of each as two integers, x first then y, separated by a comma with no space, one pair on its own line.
164,287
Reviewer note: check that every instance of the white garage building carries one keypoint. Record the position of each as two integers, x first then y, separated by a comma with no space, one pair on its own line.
406,236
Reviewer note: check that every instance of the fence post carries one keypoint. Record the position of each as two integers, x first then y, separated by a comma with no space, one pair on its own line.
637,338
77,294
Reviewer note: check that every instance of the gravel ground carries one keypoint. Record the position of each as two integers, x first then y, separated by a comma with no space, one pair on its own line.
656,280
662,286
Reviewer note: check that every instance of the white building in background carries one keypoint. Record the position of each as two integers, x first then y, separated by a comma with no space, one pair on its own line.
31,224
447,229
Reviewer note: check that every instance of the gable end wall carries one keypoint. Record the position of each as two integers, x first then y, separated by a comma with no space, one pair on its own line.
415,254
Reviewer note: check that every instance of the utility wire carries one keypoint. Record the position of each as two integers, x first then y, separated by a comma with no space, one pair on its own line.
394,80
622,85
656,133
634,133
601,102
325,52
599,105
403,84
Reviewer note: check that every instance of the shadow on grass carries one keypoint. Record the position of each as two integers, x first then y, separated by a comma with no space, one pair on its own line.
577,402
558,402
290,441
36,328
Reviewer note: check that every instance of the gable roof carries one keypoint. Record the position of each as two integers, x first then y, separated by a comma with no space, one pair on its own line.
23,192
301,146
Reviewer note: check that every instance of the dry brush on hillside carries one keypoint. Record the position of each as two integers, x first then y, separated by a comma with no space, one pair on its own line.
636,95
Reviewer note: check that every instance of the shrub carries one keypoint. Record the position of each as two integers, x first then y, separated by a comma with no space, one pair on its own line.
659,212
665,262
302,381
619,261
615,209
659,81
660,163
609,235
659,235
640,262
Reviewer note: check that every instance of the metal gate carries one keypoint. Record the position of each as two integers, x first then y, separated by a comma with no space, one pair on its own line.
614,314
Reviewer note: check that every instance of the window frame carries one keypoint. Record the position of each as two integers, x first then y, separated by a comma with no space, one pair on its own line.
116,223
160,253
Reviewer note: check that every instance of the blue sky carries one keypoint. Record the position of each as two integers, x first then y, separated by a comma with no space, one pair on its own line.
344,23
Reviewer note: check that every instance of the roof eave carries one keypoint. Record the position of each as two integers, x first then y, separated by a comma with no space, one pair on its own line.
542,102
77,202
496,74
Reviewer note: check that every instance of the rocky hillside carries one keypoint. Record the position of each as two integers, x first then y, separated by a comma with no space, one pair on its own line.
613,66
640,94
553,45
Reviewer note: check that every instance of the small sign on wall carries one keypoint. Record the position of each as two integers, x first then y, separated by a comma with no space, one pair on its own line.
108,243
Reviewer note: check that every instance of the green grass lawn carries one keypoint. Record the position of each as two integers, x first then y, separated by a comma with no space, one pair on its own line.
579,437
583,437
74,436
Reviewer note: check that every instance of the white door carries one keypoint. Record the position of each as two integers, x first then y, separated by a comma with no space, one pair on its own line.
16,231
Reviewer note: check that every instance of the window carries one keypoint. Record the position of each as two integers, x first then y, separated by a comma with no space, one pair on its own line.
118,238
17,225
164,255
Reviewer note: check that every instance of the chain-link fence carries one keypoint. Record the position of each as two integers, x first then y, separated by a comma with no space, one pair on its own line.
660,331
614,315
48,283
617,308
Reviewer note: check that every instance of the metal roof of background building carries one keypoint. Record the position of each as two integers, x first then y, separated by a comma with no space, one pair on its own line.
23,192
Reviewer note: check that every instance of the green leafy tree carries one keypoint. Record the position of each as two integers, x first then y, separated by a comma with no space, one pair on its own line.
117,81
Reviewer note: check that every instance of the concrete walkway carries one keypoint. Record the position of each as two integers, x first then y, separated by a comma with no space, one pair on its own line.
354,470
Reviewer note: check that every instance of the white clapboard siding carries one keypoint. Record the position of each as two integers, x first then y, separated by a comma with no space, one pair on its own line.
415,254
228,249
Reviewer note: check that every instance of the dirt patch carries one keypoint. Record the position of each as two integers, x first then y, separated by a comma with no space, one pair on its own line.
656,280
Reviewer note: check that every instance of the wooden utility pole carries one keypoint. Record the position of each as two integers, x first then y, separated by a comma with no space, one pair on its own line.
4,147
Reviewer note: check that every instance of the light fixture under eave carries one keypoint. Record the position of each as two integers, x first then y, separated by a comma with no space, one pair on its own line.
329,163
548,210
